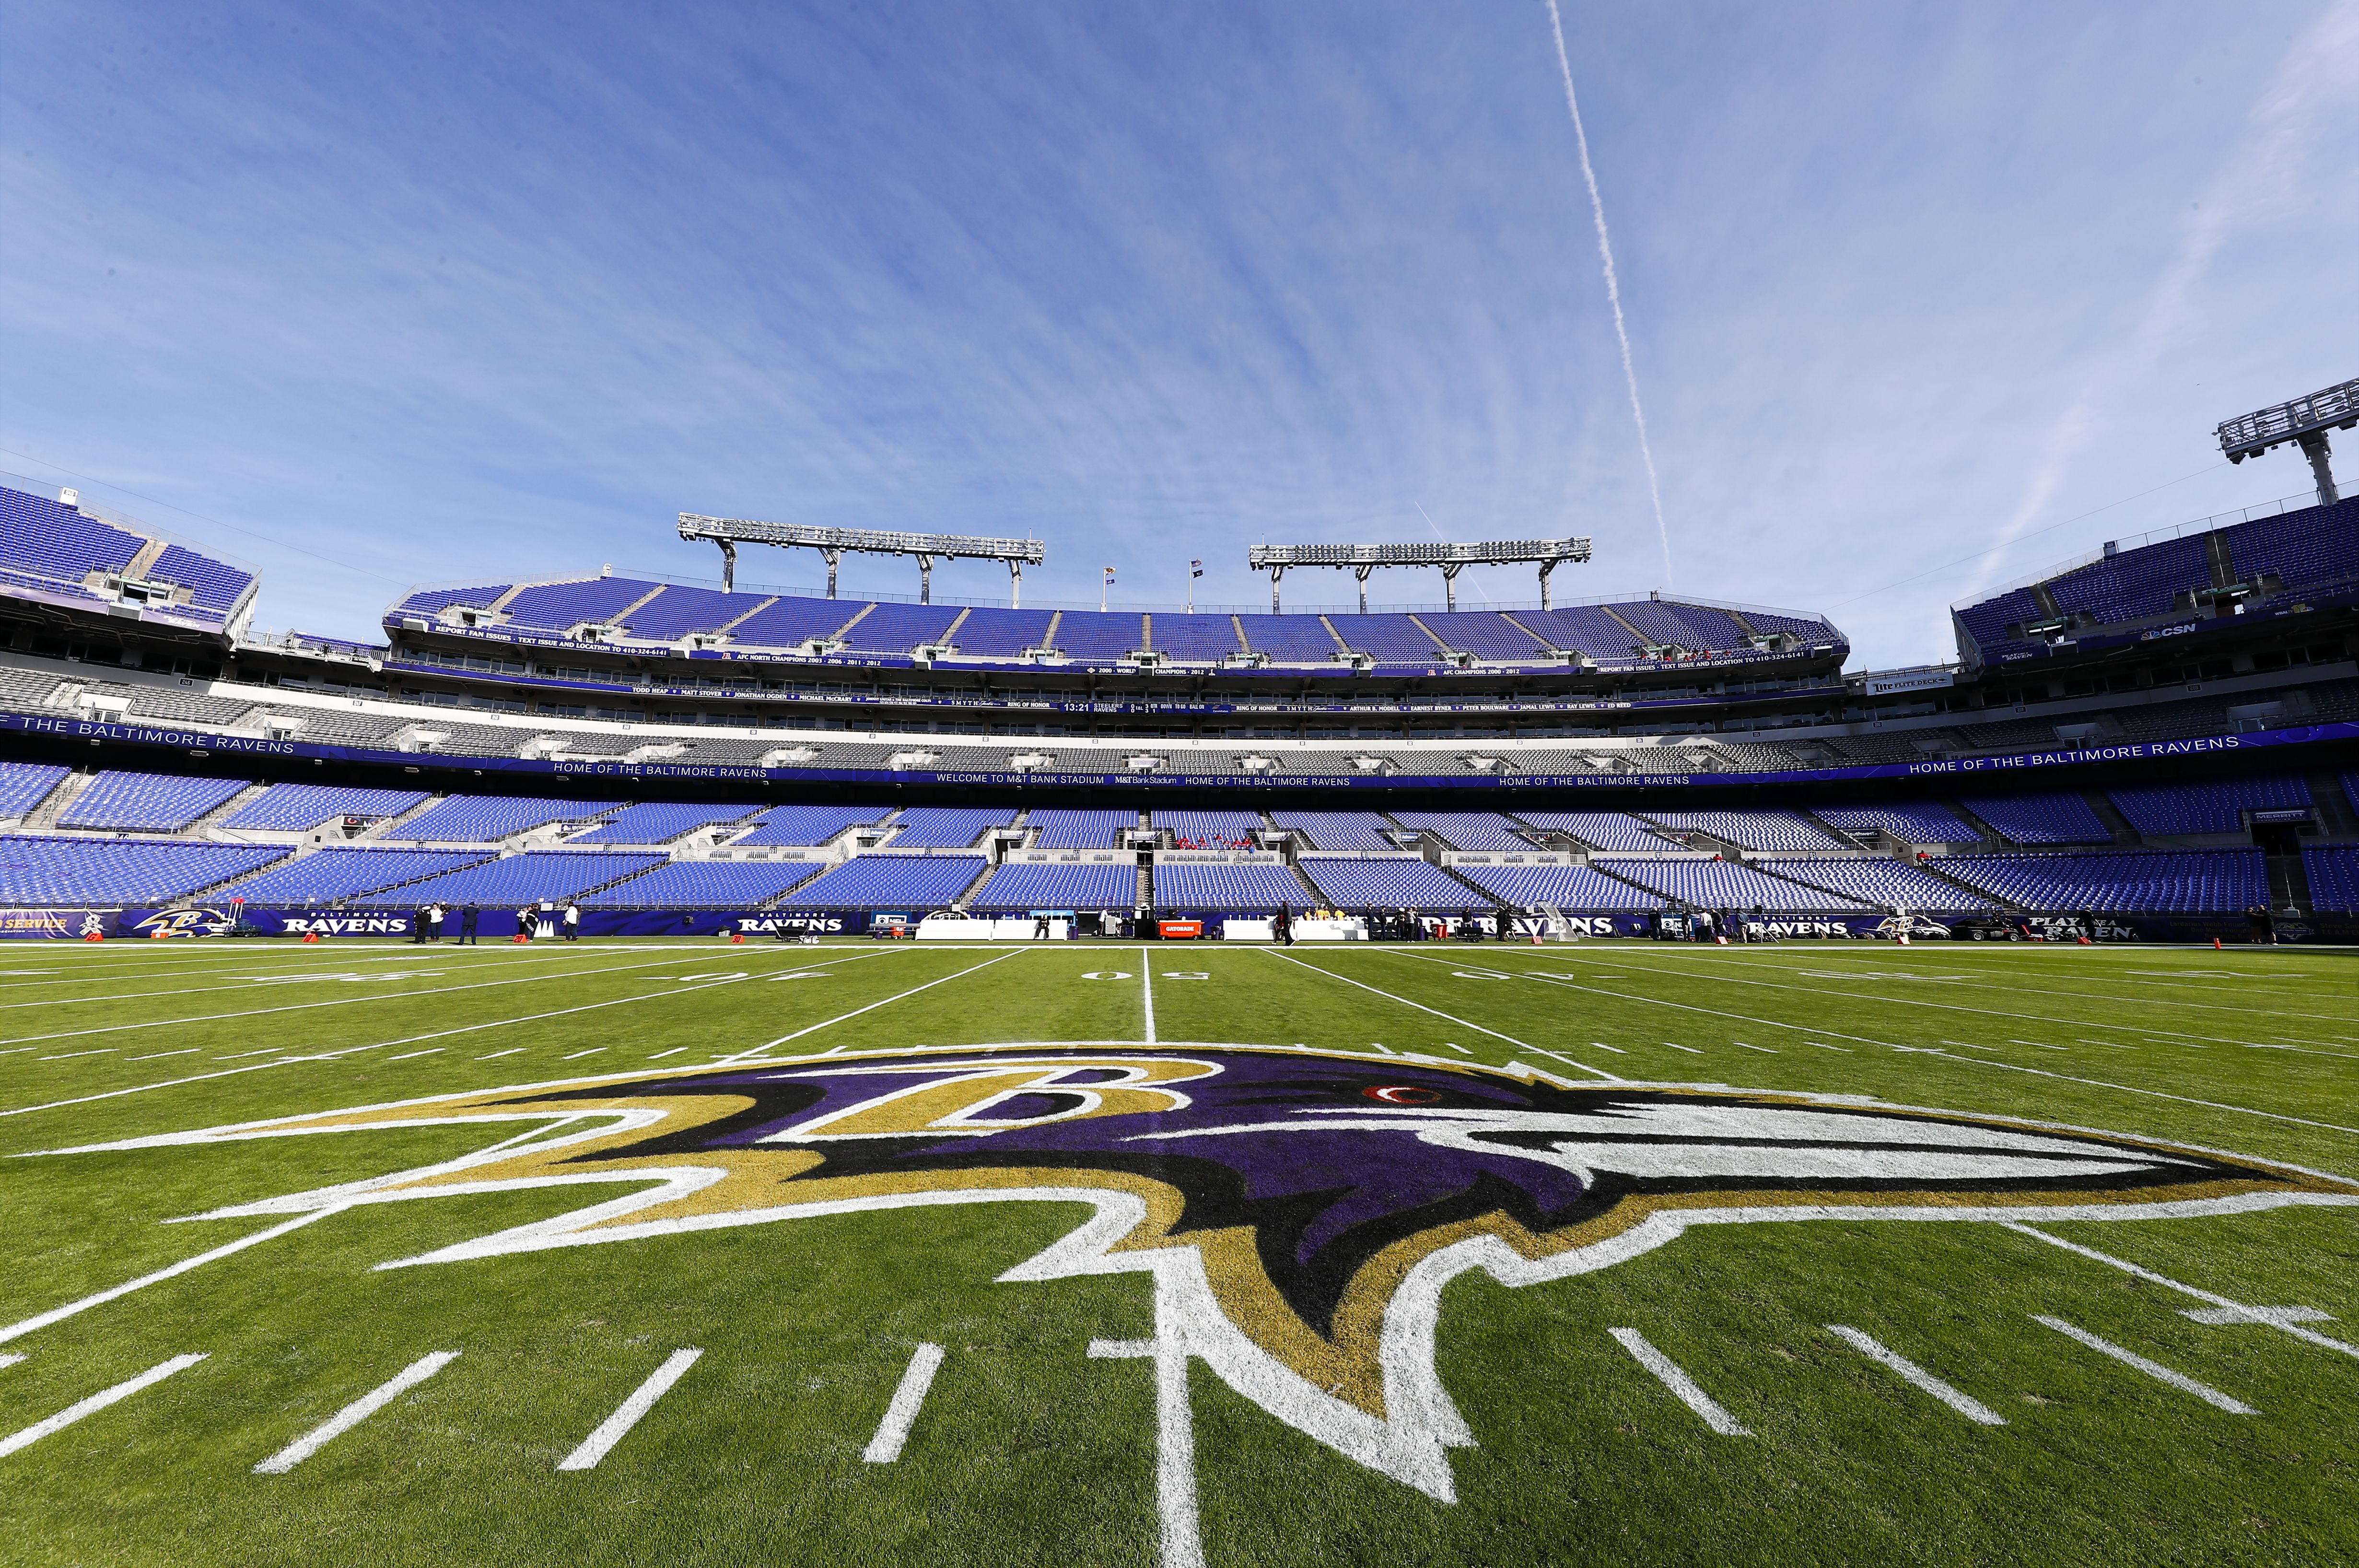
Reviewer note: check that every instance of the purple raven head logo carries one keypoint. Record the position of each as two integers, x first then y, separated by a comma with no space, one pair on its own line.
1300,1211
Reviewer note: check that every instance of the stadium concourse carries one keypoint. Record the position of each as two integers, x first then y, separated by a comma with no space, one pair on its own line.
2155,742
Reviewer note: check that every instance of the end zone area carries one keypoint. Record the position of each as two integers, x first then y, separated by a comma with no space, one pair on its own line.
617,1252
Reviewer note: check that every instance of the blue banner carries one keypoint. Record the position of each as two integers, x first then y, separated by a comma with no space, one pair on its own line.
1983,770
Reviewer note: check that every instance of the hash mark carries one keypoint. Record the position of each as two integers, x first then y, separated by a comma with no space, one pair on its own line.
2154,1369
578,1054
1682,1387
1840,1047
902,1413
432,1050
627,1415
184,1050
659,1055
96,1402
1973,1409
1615,1048
1691,1050
509,1052
352,1415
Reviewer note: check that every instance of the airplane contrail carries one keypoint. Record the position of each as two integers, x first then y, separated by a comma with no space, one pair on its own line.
1613,290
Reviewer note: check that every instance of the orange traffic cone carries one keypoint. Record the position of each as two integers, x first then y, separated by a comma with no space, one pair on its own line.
738,938
2215,945
95,936
310,936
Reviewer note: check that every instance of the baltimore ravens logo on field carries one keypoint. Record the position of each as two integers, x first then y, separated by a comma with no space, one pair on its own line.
1300,1211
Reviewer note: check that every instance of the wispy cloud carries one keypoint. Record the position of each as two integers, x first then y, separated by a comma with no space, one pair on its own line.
439,289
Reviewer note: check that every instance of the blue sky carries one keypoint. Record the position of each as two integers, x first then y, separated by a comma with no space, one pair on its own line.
445,292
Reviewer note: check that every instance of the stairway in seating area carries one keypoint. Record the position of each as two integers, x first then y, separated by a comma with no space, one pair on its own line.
67,792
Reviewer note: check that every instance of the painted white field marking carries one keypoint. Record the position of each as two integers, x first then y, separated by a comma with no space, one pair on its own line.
1915,999
1762,1049
1420,1007
576,1055
1454,1045
1107,975
1569,1062
627,1415
509,1052
338,1002
102,1050
902,1413
350,1049
244,1054
1174,1444
1945,1056
359,1410
2039,1045
96,1402
1691,1050
1973,1409
1601,1045
184,1050
1146,998
1187,975
2154,1369
675,1051
2224,1311
1682,1387
10,1358
58,1314
1970,1045
2133,1089
845,1018
430,1051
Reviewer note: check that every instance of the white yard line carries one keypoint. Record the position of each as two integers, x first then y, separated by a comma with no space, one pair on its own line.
1942,1055
359,1410
2236,1312
338,1002
96,1402
1925,1001
627,1415
1146,993
1973,1409
2133,1089
1682,1387
874,1005
58,1314
350,1049
2154,1369
1420,1007
1175,1441
893,1431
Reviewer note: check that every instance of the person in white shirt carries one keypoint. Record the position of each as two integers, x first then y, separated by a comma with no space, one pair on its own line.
572,921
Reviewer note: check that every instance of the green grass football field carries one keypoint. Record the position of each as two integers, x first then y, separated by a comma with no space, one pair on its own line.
1616,1252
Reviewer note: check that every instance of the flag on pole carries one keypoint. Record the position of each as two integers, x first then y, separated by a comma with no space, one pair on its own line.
1195,569
1103,586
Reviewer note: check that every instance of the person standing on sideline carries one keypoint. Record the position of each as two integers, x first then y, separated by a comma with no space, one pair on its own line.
525,921
467,919
1039,927
417,925
1282,927
572,920
434,920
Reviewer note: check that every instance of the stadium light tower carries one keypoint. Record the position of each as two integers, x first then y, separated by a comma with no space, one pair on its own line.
730,533
1362,559
2304,421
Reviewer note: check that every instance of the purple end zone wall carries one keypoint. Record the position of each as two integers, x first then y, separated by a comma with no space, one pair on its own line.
499,926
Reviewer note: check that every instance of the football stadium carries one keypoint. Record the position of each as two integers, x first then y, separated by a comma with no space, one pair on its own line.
1578,1078
1017,938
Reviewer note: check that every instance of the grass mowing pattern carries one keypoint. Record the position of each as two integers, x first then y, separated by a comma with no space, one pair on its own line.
1026,1447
